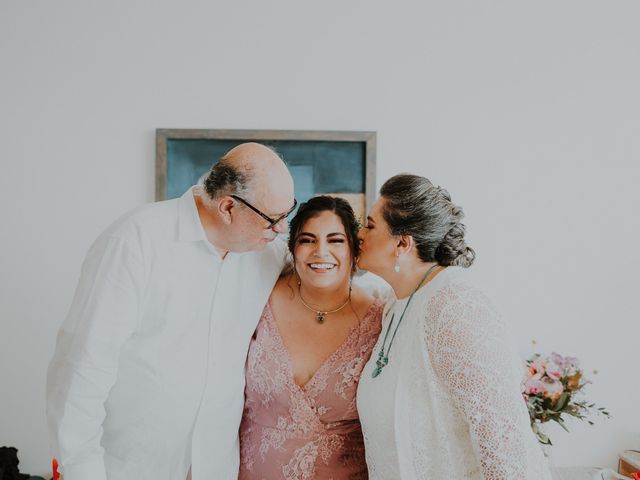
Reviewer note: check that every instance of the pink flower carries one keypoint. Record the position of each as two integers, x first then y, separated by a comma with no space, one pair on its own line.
547,386
533,385
552,388
564,366
571,365
537,366
555,370
557,359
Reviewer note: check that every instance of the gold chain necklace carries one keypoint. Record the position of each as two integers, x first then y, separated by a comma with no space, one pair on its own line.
321,314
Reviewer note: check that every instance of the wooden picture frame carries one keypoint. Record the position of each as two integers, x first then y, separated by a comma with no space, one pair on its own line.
321,162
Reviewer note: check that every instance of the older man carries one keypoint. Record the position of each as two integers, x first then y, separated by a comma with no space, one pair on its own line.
147,380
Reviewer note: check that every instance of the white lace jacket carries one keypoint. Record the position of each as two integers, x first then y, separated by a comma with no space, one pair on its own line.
450,406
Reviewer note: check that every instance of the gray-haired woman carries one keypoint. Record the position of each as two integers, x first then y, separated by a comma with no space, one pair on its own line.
440,396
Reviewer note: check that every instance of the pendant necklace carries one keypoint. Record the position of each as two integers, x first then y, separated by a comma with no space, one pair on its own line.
383,358
322,314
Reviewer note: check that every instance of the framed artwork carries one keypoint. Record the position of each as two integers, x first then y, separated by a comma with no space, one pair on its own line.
321,162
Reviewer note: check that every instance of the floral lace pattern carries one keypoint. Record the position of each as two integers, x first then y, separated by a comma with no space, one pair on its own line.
298,433
455,387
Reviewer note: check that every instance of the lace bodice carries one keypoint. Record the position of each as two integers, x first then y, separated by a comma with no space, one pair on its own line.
298,433
448,404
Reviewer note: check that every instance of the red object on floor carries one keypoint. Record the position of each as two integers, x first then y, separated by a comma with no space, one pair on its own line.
635,476
56,475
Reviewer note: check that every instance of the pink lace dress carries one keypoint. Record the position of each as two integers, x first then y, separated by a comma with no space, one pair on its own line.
299,433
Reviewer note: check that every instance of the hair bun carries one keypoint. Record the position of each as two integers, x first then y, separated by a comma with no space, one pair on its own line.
453,250
414,206
457,212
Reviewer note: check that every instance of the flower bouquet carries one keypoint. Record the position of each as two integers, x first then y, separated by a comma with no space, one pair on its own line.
550,388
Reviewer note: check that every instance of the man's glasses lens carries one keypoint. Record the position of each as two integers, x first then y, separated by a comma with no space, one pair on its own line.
272,221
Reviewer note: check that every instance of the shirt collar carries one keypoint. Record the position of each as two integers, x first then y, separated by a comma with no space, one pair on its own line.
189,225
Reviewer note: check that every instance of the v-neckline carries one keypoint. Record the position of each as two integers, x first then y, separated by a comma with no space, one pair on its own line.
305,388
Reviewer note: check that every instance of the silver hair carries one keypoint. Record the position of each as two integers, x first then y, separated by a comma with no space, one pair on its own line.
414,206
225,179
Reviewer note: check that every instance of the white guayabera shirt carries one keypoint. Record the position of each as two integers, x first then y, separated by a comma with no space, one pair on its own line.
448,403
148,374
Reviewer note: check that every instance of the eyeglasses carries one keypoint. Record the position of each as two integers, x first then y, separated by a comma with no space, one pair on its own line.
272,221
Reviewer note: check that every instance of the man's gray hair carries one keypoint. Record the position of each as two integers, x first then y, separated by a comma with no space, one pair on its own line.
225,179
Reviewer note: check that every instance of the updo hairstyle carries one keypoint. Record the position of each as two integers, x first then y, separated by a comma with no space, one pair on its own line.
414,206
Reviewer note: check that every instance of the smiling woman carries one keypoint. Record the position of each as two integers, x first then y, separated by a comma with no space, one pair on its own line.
321,252
316,332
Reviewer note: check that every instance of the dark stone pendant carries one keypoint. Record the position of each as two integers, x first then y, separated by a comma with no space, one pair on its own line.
320,317
380,364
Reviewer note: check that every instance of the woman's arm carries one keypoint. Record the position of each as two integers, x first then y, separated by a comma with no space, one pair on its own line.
473,357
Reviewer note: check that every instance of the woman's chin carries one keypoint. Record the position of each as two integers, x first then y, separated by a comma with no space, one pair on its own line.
362,264
323,281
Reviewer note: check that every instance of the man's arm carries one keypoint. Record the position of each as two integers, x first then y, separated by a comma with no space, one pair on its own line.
103,315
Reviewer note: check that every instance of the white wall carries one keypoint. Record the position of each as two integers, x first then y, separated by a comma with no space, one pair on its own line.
527,112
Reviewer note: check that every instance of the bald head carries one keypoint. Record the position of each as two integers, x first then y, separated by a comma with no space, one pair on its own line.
248,194
252,171
250,155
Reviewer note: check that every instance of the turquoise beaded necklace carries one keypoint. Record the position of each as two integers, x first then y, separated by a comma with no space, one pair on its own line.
383,358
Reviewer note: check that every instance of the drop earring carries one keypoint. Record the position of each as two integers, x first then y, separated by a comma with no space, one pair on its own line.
396,267
296,276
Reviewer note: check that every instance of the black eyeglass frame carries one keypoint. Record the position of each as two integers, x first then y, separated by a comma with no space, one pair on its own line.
272,222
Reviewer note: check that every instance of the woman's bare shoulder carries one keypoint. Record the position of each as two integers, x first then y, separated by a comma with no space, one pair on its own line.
362,301
284,291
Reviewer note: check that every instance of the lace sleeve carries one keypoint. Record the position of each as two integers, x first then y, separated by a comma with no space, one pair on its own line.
473,358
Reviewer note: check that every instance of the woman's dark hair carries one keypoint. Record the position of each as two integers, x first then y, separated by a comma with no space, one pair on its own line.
324,203
414,206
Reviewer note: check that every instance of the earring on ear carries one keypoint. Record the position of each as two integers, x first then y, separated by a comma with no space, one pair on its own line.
396,267
296,276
